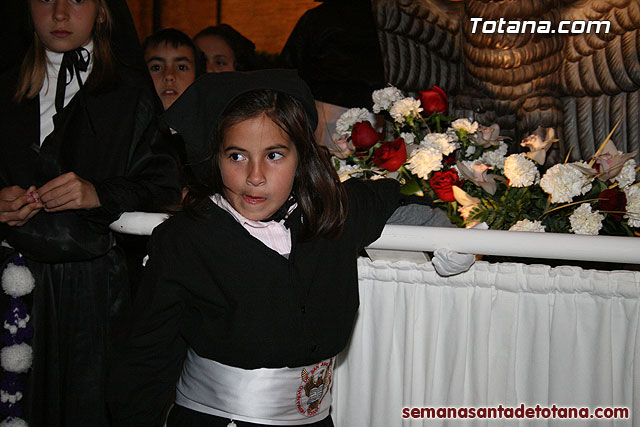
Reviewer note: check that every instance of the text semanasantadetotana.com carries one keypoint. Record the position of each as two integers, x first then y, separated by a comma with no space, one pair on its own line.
519,412
503,26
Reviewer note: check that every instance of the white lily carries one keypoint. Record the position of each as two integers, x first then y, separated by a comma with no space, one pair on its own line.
610,161
480,176
487,136
467,204
538,148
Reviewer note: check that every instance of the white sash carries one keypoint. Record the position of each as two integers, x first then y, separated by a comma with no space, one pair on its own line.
283,396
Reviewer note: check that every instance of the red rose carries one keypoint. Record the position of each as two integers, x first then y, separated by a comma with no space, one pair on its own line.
433,100
364,135
450,159
441,183
613,200
390,155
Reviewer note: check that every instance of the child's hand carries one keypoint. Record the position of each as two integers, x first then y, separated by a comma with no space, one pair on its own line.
18,205
68,191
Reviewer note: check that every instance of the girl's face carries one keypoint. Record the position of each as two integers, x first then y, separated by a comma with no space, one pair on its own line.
258,164
217,52
64,25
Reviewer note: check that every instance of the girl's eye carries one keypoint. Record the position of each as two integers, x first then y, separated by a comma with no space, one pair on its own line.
183,67
221,63
154,68
77,1
236,157
274,156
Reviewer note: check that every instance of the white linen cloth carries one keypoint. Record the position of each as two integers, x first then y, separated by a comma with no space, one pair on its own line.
497,334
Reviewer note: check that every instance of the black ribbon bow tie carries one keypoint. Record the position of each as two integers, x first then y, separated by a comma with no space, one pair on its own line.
73,62
282,212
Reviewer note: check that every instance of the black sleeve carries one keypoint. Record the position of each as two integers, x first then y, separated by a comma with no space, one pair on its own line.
148,362
371,203
152,180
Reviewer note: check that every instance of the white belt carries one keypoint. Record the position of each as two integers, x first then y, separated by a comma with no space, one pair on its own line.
283,396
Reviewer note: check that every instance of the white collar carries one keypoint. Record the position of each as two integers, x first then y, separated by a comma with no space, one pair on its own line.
219,200
55,58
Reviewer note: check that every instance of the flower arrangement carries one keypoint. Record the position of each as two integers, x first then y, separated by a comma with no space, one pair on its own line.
467,169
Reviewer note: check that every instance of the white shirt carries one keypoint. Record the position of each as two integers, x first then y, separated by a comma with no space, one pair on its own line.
48,91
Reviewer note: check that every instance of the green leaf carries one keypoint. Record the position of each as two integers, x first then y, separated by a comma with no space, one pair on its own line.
410,188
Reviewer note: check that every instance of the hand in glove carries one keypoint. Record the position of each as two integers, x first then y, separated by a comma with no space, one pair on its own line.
449,263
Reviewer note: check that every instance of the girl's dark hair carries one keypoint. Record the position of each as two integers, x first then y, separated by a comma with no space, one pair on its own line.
243,49
103,75
316,186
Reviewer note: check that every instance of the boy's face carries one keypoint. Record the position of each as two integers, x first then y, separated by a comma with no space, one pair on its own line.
258,165
62,25
172,69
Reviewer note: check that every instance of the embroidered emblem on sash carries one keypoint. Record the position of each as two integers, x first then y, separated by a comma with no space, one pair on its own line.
314,387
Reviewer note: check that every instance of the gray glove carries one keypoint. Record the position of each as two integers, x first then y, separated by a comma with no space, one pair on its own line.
449,263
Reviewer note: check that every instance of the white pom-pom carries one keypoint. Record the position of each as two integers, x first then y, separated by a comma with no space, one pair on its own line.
14,422
16,358
17,280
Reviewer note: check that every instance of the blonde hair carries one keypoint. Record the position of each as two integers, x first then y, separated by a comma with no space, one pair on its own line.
33,70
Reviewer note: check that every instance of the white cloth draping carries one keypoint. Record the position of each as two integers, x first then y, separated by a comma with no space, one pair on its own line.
497,334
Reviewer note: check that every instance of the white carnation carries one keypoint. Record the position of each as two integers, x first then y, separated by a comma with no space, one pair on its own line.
495,157
408,137
465,124
526,225
440,142
633,205
583,221
563,182
520,171
350,118
627,175
383,99
404,109
425,161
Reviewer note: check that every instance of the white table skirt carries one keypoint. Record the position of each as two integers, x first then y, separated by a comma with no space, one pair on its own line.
498,334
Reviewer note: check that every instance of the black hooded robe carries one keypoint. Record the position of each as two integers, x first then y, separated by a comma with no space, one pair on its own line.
82,291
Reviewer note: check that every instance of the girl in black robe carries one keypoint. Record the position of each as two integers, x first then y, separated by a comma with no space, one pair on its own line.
219,295
59,193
